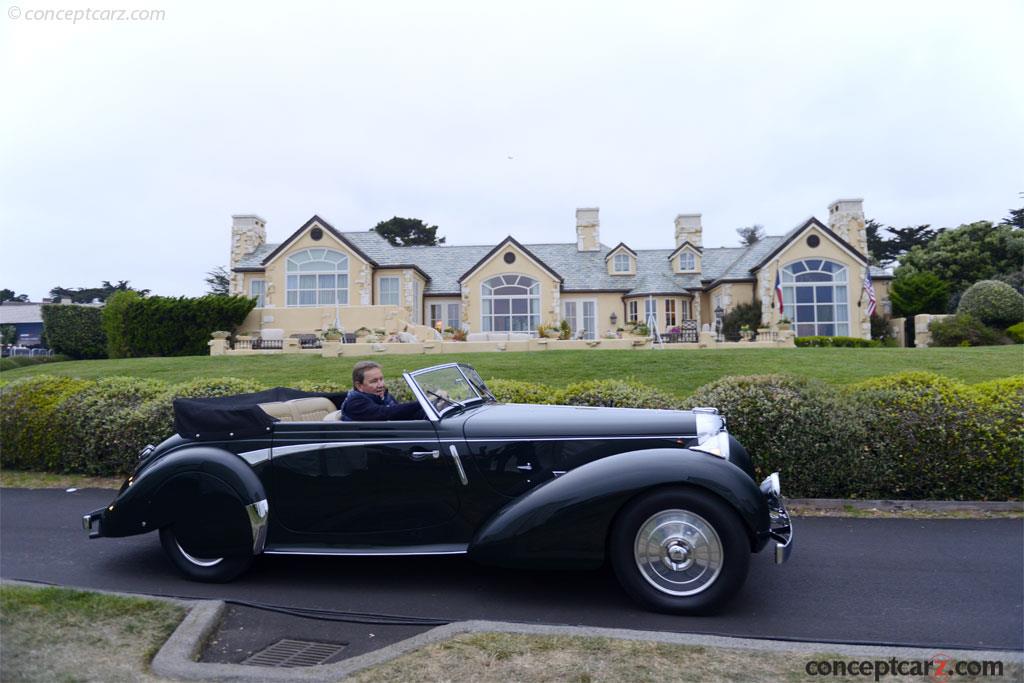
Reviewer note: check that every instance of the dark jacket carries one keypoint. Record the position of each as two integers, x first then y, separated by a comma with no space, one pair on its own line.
362,407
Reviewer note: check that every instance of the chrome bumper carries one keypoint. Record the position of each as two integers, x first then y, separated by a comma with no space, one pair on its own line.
780,526
91,523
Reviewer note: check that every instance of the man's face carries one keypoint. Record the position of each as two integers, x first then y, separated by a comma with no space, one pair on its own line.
373,382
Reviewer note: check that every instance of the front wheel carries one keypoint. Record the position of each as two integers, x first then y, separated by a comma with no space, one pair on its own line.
680,551
208,569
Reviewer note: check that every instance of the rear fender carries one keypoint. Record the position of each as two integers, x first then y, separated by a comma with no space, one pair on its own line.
214,499
565,522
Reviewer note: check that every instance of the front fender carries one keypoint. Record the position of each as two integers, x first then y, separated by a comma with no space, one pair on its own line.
213,497
565,522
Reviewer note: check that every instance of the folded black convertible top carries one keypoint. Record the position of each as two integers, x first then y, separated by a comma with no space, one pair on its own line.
235,416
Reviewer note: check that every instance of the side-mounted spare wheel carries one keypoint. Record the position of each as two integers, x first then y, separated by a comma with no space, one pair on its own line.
680,550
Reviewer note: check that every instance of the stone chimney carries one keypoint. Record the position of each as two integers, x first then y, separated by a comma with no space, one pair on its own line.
248,231
588,237
846,219
688,229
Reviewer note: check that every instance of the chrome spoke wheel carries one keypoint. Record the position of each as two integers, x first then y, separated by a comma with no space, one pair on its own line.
678,552
199,561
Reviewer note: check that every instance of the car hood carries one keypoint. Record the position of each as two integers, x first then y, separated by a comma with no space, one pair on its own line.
521,420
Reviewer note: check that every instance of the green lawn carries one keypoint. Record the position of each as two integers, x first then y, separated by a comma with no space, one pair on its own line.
675,371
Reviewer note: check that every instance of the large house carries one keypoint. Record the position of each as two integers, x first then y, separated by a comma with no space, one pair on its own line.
320,276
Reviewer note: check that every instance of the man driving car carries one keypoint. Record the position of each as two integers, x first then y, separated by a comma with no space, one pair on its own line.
370,400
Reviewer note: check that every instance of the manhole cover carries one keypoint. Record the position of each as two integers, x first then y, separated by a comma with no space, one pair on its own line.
289,653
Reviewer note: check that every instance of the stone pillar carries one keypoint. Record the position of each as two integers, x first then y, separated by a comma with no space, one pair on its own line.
218,347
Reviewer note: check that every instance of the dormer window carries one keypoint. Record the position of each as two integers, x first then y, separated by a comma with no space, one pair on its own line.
687,261
621,263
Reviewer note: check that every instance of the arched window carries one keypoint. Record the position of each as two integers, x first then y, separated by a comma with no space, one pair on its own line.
815,297
317,277
511,303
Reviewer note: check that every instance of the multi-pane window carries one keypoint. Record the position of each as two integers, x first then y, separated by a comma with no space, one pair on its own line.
650,312
448,314
620,263
316,277
258,290
389,291
511,303
631,312
815,297
687,315
670,312
687,261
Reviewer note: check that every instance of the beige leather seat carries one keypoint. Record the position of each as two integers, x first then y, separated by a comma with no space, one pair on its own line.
300,409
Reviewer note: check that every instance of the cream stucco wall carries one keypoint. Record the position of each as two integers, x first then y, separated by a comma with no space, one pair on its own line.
607,303
677,268
610,262
550,307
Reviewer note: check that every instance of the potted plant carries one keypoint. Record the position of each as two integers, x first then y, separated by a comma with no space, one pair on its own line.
785,324
332,334
746,334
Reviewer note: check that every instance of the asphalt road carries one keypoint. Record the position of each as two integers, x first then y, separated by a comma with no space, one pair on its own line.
921,583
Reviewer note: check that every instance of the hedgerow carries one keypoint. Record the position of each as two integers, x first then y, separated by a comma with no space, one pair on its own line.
847,342
912,435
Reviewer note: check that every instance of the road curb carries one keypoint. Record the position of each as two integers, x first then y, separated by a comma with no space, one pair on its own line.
844,504
176,658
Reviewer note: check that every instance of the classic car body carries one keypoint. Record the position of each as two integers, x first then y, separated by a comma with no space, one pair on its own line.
668,497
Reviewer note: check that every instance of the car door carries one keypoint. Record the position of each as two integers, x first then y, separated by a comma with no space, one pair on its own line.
344,478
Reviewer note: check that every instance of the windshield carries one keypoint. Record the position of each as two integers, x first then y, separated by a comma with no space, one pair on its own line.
450,387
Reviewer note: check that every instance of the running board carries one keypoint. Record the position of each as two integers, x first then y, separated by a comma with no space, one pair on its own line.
435,549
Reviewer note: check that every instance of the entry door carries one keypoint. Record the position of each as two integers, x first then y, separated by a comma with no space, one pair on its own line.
589,319
570,316
346,478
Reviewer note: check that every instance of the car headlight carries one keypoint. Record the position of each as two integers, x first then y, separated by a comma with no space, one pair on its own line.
712,436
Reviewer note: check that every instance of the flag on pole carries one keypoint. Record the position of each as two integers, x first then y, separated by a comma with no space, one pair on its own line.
778,289
870,289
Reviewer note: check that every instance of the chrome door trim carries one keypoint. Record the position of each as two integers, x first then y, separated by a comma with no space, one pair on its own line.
458,465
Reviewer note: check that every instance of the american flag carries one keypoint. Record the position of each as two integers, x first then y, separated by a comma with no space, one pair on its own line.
870,289
778,289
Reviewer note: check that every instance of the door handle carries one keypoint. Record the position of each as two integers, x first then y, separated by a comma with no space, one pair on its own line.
419,456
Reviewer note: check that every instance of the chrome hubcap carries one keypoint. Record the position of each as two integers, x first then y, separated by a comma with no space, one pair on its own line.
678,552
199,561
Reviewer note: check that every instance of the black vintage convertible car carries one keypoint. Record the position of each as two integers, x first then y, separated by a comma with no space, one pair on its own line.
667,497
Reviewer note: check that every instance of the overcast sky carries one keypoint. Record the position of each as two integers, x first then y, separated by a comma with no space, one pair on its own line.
126,146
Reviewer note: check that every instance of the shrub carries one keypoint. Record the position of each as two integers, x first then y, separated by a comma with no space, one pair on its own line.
918,292
1016,333
334,387
881,329
963,329
993,303
114,322
743,314
97,421
165,326
28,420
75,331
793,425
615,393
846,342
930,437
8,334
515,391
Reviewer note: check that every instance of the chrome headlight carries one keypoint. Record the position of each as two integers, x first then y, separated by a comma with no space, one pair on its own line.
712,436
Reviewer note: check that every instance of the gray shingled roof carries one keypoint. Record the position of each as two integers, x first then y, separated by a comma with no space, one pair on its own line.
587,270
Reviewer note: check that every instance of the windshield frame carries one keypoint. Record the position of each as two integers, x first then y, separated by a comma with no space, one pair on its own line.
435,414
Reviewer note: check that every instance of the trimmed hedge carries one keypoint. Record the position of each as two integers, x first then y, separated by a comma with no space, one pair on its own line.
1016,333
12,362
846,342
167,326
912,435
993,303
75,331
963,329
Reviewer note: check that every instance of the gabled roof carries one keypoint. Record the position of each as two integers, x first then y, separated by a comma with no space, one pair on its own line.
511,240
797,231
327,226
620,245
686,243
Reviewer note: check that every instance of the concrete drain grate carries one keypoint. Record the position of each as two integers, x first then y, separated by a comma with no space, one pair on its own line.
291,653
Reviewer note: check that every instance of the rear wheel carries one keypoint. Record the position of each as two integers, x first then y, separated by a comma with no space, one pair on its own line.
209,569
680,551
